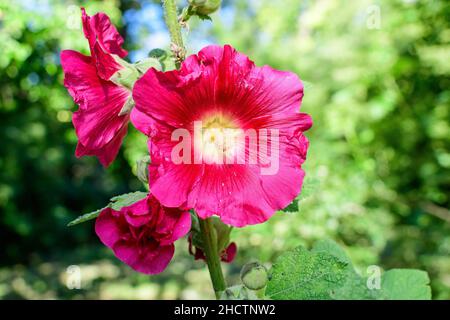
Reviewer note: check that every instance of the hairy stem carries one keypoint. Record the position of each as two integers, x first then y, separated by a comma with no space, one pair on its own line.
212,255
171,18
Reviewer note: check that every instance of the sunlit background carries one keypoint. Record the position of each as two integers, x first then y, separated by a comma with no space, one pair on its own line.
378,171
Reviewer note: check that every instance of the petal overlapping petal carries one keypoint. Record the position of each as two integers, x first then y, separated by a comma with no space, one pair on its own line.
142,234
219,80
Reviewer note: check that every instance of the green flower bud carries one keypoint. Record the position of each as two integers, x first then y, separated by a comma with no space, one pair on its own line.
205,7
254,276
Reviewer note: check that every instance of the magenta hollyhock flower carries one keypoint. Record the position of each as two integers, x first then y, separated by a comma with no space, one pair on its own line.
142,234
221,88
99,123
227,255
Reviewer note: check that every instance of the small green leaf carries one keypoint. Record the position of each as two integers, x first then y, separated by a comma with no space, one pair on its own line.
301,274
158,53
204,17
85,217
117,203
293,206
405,284
127,199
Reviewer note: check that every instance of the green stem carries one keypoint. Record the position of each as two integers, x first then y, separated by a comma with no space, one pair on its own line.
171,18
212,255
206,227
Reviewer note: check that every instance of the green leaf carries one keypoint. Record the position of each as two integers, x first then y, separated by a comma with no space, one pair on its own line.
405,284
204,17
331,247
117,203
158,53
85,217
127,199
301,274
395,284
354,287
326,272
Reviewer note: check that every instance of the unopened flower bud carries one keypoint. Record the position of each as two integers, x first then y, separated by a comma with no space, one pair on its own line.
254,276
205,7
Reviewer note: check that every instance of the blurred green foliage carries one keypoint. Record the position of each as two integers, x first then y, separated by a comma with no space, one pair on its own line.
378,170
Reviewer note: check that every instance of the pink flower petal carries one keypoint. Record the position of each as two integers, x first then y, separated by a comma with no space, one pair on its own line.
175,225
233,192
104,40
148,261
219,80
107,153
142,234
108,228
99,29
229,253
98,126
137,214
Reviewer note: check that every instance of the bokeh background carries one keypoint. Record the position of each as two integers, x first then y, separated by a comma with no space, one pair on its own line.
378,169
